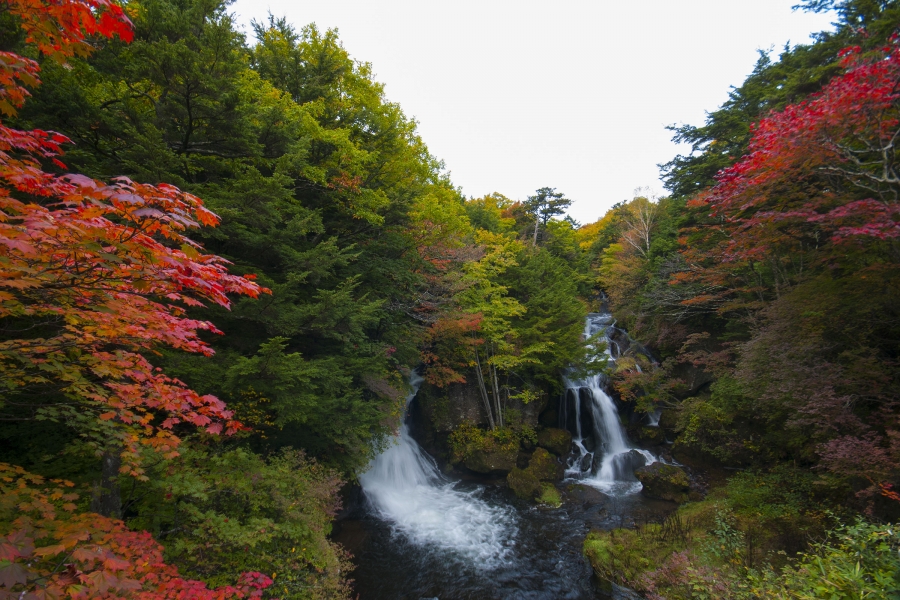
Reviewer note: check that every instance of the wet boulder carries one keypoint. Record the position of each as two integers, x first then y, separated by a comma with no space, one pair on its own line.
664,482
589,443
623,466
545,466
557,441
496,460
585,495
524,484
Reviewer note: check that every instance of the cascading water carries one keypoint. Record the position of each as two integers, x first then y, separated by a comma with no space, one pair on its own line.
406,489
614,471
426,537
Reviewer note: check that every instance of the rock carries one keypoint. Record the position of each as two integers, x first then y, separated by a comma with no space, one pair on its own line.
586,495
557,441
545,467
492,461
550,496
589,443
664,482
694,378
445,409
636,459
586,463
623,465
550,417
524,484
522,459
668,420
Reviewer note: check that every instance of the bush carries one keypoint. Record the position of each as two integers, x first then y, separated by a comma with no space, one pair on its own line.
861,560
218,513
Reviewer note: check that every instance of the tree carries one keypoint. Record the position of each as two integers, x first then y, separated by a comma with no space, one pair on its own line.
50,551
798,72
97,274
322,187
543,206
819,175
221,512
493,347
94,276
638,220
802,241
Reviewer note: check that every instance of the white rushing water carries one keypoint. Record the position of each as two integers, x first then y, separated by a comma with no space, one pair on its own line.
614,472
406,489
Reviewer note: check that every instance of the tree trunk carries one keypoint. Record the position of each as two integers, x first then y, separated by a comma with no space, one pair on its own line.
107,497
481,387
493,374
537,224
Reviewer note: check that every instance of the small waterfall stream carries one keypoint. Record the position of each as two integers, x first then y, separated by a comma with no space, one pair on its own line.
424,536
404,486
610,462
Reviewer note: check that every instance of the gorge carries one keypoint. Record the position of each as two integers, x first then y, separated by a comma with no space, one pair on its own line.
425,534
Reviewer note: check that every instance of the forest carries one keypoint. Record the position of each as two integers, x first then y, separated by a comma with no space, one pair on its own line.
225,258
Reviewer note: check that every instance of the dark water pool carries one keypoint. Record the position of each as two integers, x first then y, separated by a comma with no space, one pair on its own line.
544,558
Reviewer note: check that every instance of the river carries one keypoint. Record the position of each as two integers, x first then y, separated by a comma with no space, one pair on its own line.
423,535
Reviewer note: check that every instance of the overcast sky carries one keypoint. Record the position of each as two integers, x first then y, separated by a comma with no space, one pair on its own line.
571,94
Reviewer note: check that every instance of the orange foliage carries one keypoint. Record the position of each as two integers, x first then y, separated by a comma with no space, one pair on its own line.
53,552
95,275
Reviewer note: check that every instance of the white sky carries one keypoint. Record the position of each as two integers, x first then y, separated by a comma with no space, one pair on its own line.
571,94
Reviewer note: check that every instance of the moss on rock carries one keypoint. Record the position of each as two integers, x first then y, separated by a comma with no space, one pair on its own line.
493,460
524,484
550,495
544,466
664,482
557,441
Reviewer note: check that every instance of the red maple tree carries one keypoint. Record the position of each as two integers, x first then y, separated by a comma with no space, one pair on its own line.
821,172
93,277
96,275
54,552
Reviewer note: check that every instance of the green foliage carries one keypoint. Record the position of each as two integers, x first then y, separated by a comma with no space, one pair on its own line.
621,555
860,560
550,327
726,543
467,439
488,213
706,425
318,180
222,512
783,493
798,72
316,405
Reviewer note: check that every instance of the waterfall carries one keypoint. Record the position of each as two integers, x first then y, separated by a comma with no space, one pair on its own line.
614,471
406,489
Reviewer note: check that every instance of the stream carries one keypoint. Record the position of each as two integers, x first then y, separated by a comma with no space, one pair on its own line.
425,536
